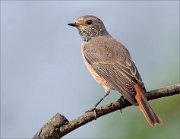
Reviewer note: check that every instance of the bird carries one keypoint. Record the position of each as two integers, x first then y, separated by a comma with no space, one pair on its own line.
111,65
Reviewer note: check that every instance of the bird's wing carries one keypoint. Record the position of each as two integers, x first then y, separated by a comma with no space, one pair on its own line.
112,61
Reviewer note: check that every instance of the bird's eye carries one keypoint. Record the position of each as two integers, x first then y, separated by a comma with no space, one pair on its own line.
89,22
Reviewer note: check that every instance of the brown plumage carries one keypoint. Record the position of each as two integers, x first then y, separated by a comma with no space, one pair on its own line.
110,63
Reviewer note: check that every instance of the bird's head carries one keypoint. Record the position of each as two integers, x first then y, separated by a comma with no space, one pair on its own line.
89,26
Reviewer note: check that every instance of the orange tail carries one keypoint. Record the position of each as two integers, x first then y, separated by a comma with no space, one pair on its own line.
145,107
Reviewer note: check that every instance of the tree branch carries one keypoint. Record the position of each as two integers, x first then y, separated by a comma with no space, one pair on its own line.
58,125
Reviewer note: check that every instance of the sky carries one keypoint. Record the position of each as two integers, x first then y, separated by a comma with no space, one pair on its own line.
43,72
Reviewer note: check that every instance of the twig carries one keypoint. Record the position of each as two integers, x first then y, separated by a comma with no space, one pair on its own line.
58,125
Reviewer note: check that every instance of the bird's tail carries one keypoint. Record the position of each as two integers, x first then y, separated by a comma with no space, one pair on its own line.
145,107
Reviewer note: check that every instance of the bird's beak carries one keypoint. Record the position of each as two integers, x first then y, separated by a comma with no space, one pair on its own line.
73,24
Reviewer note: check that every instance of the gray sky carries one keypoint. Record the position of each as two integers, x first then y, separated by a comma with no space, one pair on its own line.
42,70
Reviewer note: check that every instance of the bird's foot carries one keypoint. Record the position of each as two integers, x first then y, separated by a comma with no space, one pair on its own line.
93,110
123,101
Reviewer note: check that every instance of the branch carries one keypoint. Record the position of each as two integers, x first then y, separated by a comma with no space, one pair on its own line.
58,125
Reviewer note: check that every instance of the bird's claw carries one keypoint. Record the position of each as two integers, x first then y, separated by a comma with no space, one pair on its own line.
122,99
93,110
123,102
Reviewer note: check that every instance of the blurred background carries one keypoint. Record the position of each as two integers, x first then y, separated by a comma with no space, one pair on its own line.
43,73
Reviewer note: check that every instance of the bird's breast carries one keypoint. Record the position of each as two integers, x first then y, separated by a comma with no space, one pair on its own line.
97,77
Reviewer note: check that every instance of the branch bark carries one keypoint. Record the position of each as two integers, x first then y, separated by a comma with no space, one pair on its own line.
58,125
